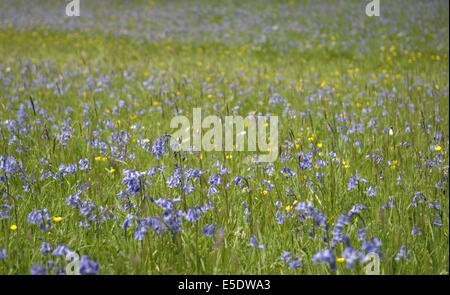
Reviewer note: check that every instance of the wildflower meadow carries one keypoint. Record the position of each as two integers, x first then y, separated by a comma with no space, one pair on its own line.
91,181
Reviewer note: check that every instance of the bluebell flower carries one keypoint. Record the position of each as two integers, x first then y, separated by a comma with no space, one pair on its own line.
83,164
88,266
140,233
158,148
325,256
401,254
418,199
192,215
279,218
4,214
356,209
239,181
3,254
354,182
209,230
437,222
38,269
416,231
338,236
212,191
246,211
389,205
361,234
132,181
45,248
61,250
372,191
295,264
287,172
351,256
38,217
372,246
214,180
128,222
286,256
254,243
176,179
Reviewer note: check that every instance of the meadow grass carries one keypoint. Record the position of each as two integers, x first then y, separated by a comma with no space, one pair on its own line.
65,91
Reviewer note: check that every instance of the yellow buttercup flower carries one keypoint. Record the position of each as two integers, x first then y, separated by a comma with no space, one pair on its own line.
57,219
112,170
437,148
340,260
13,227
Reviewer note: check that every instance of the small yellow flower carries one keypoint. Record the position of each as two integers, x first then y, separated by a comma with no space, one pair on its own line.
319,145
264,192
346,166
57,219
340,260
13,227
134,116
155,103
288,208
437,148
297,146
210,96
98,158
112,170
229,156
104,159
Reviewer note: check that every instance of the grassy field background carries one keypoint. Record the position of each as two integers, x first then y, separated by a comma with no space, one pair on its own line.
363,136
